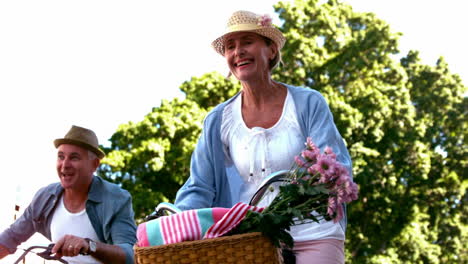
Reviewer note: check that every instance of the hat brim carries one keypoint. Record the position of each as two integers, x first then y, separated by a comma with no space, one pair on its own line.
270,32
95,150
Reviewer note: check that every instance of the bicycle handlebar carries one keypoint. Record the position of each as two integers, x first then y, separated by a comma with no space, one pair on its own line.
46,254
279,176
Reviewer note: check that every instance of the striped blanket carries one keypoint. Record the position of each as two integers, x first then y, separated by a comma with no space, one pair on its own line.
192,225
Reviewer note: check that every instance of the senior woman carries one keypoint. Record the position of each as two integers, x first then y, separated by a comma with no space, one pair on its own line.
259,131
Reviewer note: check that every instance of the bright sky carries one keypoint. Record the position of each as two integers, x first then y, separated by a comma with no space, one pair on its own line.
99,64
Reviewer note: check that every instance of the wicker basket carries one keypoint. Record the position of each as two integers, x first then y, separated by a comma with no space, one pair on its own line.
244,248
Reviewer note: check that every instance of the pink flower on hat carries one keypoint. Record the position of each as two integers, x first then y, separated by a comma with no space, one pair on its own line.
264,21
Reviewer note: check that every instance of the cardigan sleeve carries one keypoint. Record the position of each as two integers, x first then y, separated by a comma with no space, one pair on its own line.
199,190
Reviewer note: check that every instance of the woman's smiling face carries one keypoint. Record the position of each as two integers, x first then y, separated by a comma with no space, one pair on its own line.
248,55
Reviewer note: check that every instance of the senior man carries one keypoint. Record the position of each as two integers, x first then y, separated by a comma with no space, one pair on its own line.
89,219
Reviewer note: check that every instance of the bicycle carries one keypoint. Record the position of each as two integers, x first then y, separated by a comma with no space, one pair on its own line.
46,254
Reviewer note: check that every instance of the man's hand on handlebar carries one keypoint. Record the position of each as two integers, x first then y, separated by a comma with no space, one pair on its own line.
70,246
3,251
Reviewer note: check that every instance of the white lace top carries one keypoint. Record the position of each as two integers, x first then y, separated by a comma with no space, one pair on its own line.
256,152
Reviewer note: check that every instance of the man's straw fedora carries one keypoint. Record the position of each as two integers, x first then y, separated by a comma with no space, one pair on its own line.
246,21
82,137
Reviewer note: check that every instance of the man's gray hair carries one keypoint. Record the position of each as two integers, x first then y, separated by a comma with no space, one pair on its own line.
92,155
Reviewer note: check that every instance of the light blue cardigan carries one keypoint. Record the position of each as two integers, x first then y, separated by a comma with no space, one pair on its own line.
215,182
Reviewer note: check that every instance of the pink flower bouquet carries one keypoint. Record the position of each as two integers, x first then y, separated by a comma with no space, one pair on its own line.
317,189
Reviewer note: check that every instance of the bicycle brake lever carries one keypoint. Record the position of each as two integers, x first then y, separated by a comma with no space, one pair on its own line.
47,254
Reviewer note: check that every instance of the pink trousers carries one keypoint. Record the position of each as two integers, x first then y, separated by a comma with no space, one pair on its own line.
326,251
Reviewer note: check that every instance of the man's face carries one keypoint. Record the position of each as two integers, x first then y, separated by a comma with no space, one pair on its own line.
74,168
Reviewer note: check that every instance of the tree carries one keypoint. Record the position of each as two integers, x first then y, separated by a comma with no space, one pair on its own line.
404,124
151,158
441,108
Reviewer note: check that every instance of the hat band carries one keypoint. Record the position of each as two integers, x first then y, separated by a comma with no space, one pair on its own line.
243,27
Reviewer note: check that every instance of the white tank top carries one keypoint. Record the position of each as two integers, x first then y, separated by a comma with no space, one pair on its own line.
77,224
257,152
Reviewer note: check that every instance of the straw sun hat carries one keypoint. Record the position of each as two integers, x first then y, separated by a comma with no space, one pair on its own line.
245,21
81,137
